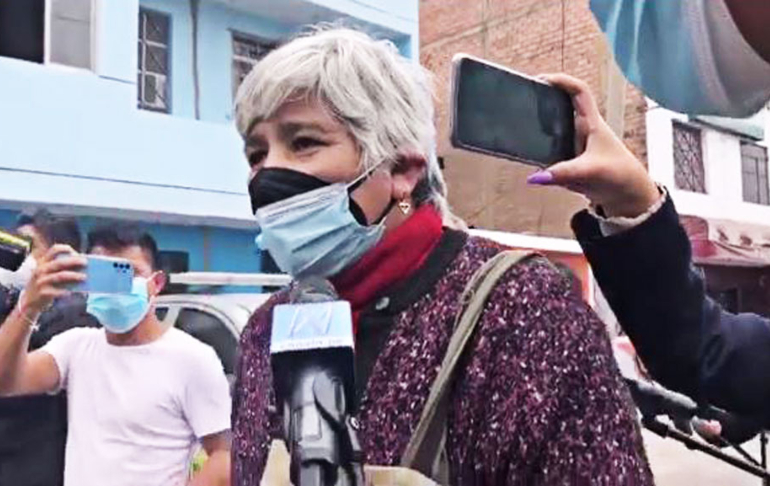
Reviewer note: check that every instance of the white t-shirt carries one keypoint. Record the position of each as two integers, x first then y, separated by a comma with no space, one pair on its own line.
135,412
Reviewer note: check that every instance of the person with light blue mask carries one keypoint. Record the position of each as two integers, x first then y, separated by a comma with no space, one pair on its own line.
33,429
699,57
141,395
339,135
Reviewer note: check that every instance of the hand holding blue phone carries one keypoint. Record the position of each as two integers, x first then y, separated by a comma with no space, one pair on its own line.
59,268
104,275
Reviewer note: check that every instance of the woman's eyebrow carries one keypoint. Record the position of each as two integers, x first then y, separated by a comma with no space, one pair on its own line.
289,129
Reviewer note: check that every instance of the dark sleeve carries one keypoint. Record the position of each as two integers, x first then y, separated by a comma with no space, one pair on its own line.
686,340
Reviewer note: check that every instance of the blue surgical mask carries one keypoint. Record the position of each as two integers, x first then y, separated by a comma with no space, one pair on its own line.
687,55
315,233
120,313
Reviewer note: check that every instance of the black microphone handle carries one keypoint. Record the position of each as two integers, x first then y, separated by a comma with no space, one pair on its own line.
317,389
313,425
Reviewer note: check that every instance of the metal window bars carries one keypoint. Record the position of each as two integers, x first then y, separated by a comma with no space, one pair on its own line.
756,186
689,172
153,77
247,51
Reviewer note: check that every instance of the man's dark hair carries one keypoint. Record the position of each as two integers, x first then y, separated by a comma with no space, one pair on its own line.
118,235
55,230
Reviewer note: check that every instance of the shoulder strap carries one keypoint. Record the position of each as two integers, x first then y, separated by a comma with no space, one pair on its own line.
423,452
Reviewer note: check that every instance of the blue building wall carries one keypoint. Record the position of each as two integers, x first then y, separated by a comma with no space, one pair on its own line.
209,248
215,27
181,55
7,219
215,47
73,140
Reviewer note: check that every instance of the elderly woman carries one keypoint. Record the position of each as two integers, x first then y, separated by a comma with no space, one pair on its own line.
538,399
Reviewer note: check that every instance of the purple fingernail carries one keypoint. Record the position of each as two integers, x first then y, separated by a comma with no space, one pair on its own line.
542,178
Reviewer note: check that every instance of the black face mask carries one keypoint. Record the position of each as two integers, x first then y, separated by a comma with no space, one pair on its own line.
275,184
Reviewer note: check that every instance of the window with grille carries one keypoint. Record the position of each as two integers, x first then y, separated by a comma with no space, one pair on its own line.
154,76
756,186
689,173
247,51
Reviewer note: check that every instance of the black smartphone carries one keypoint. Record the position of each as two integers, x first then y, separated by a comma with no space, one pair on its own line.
499,112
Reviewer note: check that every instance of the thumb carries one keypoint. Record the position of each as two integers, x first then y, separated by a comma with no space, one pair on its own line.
565,173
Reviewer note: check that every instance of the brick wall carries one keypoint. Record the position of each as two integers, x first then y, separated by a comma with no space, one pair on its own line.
532,36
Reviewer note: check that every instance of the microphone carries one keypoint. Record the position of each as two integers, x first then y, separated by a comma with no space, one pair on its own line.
311,351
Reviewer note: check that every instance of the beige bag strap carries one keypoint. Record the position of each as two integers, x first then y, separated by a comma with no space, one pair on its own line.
278,465
424,451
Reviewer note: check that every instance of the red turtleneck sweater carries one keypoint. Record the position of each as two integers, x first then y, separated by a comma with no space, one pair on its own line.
392,260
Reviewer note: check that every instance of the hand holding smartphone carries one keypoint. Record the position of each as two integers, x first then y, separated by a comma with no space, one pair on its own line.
499,112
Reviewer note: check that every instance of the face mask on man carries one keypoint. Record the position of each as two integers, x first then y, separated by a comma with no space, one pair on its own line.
121,313
20,278
308,226
689,56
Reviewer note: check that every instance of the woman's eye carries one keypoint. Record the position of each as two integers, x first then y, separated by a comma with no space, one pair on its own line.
303,143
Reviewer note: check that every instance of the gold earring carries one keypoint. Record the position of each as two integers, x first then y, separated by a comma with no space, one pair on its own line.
405,206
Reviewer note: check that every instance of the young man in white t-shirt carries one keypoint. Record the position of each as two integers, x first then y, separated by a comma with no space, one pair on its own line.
140,397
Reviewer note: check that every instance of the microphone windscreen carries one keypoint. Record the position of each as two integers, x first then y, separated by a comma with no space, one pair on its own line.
312,290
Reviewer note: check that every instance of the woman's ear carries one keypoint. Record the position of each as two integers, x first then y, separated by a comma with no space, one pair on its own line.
409,169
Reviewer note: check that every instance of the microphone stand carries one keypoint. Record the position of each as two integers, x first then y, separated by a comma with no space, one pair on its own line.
666,431
652,401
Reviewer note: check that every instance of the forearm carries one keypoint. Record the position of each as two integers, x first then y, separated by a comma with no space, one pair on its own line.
14,341
215,472
686,340
646,275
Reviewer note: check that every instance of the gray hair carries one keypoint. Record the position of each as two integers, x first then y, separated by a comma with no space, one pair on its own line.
384,99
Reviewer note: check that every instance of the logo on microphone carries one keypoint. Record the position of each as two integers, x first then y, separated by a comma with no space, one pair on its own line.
308,324
298,327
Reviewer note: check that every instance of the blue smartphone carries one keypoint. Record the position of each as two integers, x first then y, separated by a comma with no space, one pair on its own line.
106,275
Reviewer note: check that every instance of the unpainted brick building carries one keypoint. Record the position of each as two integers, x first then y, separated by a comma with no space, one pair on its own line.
532,36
